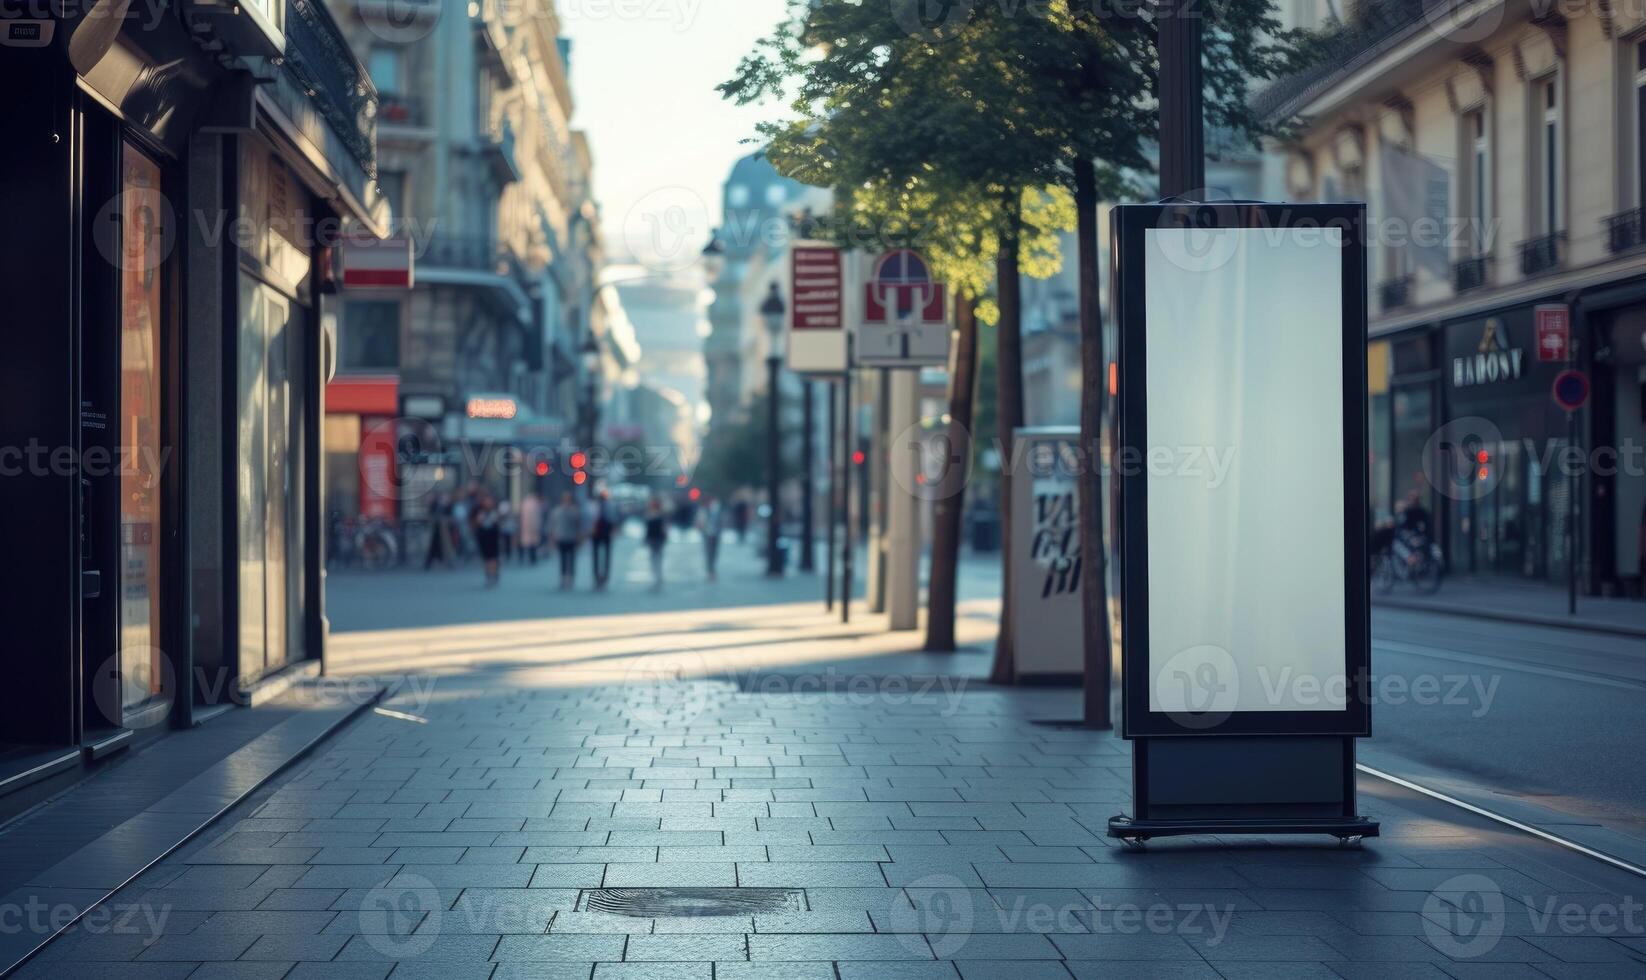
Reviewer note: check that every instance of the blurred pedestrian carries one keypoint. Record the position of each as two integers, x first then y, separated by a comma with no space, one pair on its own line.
531,526
486,523
508,524
740,517
604,525
566,529
440,520
711,523
657,538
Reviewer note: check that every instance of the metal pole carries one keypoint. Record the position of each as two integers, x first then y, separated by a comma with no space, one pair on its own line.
808,562
1573,489
1182,124
847,411
832,497
774,475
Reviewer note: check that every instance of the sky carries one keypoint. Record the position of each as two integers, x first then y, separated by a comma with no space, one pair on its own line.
643,77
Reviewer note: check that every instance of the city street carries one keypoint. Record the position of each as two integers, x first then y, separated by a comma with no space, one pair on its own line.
757,791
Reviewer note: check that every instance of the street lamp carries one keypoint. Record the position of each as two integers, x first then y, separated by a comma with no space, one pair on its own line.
714,260
590,356
773,311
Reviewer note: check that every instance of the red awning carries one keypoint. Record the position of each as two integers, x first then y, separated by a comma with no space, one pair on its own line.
363,396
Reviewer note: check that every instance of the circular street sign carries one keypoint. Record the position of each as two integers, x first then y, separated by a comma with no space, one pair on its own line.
1571,390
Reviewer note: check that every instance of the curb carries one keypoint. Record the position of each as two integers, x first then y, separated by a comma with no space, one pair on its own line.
12,959
1525,619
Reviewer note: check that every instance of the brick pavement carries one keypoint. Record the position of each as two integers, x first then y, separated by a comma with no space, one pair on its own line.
874,816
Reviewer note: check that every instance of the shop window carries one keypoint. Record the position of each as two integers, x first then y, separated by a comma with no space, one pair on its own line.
371,336
1640,123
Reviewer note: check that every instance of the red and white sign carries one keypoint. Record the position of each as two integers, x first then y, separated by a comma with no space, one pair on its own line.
378,444
905,314
1554,333
817,309
377,263
817,288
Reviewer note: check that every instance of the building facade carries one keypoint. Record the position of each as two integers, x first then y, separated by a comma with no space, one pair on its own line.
1501,149
486,361
176,186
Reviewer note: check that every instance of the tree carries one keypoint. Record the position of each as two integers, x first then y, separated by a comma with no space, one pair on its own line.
995,101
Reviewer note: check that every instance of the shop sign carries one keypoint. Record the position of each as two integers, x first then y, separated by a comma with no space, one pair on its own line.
1554,333
1494,362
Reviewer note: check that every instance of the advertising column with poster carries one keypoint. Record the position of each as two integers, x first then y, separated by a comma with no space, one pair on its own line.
1242,463
1046,610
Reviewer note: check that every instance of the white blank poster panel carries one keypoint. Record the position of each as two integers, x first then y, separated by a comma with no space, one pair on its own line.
1245,394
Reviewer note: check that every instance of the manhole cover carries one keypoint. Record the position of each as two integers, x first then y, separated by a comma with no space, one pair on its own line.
646,903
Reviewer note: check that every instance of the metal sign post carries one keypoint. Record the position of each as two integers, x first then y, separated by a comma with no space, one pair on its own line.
1242,463
1571,393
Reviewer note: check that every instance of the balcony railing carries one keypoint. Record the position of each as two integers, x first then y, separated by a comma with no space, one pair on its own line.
401,110
1625,230
319,59
1471,273
1394,293
474,253
1539,255
499,149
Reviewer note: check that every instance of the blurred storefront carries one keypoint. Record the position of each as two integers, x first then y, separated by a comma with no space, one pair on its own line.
174,183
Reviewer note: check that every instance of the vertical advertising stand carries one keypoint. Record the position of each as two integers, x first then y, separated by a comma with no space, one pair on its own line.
1242,531
1047,612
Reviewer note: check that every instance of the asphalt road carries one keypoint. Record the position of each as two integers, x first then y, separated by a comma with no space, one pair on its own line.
1554,717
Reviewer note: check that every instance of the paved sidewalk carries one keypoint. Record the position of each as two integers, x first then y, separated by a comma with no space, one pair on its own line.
1535,605
573,805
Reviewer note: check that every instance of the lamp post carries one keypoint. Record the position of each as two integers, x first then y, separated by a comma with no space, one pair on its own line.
773,311
590,355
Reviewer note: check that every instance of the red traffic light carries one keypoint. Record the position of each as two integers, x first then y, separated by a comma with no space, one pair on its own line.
859,457
543,467
1483,457
579,460
696,494
580,478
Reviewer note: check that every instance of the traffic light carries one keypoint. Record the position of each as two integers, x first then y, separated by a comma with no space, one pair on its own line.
580,463
1484,460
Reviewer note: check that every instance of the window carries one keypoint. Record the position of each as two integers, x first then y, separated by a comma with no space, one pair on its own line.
776,194
1640,123
1548,102
1478,162
384,65
393,183
371,336
738,196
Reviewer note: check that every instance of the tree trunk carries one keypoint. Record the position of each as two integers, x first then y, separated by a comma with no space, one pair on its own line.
1009,417
949,495
1093,387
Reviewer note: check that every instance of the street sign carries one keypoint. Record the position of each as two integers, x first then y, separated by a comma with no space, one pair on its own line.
377,263
905,317
1554,332
1245,627
1571,390
817,314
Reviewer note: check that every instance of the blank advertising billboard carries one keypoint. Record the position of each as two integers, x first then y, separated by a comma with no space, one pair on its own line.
1243,455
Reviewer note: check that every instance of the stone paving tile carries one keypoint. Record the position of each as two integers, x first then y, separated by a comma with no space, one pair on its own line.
963,847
